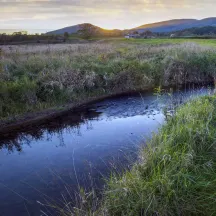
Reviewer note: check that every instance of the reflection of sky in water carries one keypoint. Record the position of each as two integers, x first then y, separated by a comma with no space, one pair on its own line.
76,147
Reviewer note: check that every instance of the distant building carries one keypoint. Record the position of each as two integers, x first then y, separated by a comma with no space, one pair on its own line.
172,35
132,36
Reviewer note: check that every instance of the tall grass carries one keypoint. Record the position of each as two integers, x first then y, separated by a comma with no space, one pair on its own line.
176,173
37,77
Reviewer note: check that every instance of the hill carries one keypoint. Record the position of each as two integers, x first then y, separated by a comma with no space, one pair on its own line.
97,31
165,24
159,27
177,25
70,29
197,31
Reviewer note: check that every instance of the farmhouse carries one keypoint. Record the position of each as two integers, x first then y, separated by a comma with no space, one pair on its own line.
173,35
132,36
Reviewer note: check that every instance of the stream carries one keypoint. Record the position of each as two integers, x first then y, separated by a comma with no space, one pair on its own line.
81,148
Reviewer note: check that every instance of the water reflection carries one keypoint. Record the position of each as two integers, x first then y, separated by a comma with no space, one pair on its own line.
79,148
70,122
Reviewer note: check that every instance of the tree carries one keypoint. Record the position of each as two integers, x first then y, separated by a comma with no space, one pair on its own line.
66,35
17,36
135,32
147,34
86,30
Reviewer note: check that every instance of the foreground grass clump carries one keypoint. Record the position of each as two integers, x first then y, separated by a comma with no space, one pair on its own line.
176,174
38,77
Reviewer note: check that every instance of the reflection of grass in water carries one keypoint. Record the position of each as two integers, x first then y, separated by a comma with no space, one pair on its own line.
87,199
72,122
171,99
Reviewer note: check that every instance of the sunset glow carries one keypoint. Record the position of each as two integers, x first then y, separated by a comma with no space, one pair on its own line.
121,14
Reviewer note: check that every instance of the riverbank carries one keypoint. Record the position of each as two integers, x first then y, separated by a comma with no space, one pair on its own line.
28,120
37,78
176,172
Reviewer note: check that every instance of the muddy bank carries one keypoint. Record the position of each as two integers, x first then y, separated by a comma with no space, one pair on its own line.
29,119
40,117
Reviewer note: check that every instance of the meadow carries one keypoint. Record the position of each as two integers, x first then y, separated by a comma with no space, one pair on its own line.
159,41
37,77
175,173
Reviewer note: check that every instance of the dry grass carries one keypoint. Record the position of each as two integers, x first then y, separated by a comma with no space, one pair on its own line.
41,76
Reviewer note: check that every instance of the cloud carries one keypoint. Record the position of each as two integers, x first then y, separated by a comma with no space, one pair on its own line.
116,13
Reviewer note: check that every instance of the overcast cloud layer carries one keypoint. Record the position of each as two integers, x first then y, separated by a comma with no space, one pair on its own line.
53,14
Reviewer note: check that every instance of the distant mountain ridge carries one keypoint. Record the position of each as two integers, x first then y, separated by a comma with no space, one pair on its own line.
159,27
206,31
177,24
166,23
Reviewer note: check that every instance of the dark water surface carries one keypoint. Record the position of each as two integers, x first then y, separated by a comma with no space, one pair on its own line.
79,148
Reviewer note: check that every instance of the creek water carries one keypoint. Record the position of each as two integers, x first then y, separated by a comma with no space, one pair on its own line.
80,148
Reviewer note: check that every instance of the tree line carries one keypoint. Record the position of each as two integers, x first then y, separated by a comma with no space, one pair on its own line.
23,37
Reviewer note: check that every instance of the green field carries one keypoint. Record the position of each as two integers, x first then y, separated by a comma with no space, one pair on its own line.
159,41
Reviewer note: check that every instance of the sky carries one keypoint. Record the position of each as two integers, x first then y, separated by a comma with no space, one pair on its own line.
44,15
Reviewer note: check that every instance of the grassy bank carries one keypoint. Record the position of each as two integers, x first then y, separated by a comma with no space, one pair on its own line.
176,173
34,78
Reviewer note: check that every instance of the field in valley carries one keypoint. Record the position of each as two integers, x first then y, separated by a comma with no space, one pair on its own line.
38,77
163,41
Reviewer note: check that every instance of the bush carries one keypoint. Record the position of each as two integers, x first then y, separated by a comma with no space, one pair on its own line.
17,96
